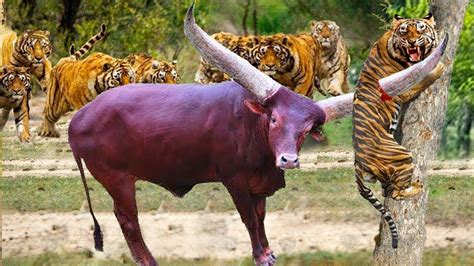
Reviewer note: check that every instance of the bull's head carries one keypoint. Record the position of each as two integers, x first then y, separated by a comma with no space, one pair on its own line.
290,116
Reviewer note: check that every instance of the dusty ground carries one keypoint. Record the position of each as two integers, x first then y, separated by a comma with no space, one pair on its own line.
200,234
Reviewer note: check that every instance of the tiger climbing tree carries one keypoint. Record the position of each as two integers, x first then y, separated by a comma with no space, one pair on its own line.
420,131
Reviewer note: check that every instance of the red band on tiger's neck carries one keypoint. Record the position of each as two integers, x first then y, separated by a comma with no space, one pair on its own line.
384,96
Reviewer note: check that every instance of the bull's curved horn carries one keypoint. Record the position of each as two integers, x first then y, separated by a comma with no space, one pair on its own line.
238,68
401,81
337,107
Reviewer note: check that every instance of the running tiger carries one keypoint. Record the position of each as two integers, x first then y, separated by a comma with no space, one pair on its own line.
30,49
15,92
333,61
375,117
149,70
76,82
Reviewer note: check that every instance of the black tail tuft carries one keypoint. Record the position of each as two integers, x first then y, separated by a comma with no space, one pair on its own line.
394,242
98,238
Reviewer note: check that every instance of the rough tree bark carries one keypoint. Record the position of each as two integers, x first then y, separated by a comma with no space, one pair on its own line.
68,18
420,132
246,7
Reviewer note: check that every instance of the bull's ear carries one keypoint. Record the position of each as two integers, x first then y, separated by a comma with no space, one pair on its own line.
318,135
255,107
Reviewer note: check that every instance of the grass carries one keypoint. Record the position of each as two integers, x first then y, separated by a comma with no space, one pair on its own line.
446,256
329,191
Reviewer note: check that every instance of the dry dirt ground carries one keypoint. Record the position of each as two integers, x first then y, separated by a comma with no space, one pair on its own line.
198,234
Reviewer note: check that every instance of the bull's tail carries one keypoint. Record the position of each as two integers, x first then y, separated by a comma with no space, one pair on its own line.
98,239
368,195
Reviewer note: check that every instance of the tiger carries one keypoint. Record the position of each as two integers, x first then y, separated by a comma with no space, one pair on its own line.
76,82
288,59
240,45
149,70
30,49
15,92
375,115
333,61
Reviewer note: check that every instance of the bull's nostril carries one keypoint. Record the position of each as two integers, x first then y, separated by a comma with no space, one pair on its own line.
283,159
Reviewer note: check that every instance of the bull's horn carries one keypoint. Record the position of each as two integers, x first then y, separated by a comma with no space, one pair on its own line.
337,107
238,68
399,82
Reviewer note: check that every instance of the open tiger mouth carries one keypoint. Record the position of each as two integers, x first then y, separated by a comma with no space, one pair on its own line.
414,53
269,72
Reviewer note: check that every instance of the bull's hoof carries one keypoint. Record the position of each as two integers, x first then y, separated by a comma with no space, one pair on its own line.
267,259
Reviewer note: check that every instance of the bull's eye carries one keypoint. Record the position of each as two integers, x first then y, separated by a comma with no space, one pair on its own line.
273,120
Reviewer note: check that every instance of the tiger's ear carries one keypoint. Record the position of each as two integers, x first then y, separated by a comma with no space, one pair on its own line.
46,33
314,23
285,40
106,66
430,19
174,62
3,70
155,64
397,17
72,49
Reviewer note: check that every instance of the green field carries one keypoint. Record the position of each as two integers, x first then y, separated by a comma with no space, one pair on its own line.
330,191
445,257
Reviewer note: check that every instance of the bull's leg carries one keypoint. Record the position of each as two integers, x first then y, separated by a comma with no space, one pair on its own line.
259,204
246,207
125,209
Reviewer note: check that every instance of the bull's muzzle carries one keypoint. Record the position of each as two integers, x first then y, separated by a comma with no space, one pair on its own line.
288,161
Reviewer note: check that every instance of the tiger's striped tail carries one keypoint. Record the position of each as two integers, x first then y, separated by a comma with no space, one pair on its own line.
89,44
368,195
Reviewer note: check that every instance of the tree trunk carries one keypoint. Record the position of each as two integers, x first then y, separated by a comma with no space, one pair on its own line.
464,130
2,14
246,7
68,18
421,132
254,18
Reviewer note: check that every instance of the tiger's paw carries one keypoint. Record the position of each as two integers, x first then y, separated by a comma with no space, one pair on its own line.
25,137
48,132
414,189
